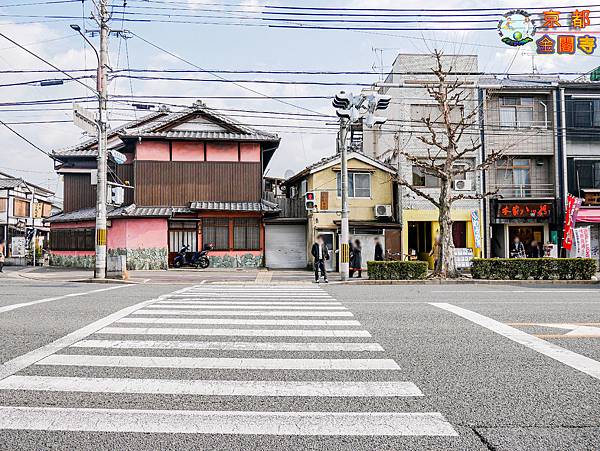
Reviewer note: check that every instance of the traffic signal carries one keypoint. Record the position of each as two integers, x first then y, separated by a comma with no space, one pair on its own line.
310,201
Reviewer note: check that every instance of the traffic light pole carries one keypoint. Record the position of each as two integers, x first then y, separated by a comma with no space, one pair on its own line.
102,186
345,238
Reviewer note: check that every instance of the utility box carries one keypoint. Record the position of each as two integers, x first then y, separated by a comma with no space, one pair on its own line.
116,267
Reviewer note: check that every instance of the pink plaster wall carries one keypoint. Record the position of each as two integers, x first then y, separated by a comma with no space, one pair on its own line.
152,150
250,152
188,151
144,233
221,152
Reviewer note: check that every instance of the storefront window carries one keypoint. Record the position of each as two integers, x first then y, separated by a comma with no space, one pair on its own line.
215,231
246,234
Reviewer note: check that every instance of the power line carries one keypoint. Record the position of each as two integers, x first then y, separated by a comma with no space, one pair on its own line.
35,146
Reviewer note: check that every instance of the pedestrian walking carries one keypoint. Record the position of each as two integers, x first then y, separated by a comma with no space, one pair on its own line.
435,251
356,262
320,254
517,250
378,250
2,254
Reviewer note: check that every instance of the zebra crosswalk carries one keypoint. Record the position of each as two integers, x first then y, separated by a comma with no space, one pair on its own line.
234,342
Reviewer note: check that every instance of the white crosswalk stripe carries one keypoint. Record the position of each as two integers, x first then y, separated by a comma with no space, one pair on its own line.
293,316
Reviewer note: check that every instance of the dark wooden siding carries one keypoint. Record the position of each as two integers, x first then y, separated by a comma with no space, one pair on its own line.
176,183
78,192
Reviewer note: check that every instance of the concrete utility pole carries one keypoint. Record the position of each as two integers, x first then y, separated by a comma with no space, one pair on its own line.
344,246
102,186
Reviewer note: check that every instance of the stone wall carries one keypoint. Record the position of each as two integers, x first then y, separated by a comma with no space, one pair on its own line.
236,261
137,259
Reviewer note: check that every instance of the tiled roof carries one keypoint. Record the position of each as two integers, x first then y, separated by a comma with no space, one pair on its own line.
10,183
157,124
235,206
83,214
205,135
87,149
522,82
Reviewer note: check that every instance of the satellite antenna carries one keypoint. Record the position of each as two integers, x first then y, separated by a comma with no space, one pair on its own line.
288,174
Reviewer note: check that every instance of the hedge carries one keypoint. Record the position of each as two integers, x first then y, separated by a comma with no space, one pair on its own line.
397,270
534,268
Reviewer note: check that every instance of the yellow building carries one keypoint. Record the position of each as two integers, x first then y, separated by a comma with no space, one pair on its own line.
371,203
420,227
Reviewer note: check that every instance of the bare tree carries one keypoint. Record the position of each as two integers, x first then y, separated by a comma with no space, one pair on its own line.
445,138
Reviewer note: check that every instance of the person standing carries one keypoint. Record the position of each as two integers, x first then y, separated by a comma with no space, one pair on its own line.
435,251
378,250
350,257
320,254
2,254
356,262
517,250
534,250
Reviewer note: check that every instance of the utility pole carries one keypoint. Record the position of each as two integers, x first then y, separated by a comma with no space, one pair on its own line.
344,246
102,186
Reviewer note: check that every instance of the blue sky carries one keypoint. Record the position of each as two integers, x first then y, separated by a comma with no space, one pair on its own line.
226,47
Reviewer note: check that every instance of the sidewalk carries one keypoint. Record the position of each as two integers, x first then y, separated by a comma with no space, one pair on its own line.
258,276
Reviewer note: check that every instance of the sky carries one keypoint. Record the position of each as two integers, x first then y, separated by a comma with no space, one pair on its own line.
195,32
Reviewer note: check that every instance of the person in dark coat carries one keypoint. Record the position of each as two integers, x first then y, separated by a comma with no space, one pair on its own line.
320,254
534,250
378,250
350,257
356,262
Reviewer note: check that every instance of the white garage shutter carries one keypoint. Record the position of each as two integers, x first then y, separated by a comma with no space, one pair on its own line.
285,246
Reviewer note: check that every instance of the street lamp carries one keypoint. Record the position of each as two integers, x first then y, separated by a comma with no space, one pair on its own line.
102,165
350,109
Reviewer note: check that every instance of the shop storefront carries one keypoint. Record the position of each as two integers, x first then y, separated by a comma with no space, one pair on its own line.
590,217
531,222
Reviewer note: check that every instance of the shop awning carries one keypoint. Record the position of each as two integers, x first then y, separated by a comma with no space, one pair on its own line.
589,215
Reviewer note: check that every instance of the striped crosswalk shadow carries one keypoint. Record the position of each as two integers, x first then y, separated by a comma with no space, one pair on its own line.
236,342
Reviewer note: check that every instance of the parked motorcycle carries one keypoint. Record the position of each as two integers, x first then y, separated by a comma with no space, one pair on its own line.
196,260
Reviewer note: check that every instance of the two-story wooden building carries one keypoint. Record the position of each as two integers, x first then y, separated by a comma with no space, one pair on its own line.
195,178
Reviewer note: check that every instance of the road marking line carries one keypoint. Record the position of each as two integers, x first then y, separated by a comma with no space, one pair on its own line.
233,332
240,304
220,306
569,358
217,363
557,325
225,422
545,291
25,360
9,308
230,345
242,313
239,322
569,335
210,387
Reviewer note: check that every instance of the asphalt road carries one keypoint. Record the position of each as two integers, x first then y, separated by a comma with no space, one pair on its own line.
241,367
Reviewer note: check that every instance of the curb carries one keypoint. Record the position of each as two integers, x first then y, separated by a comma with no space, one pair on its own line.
467,282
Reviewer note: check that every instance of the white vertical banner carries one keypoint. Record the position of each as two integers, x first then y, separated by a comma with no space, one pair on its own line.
583,242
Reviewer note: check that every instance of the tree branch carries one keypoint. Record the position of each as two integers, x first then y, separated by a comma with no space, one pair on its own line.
418,192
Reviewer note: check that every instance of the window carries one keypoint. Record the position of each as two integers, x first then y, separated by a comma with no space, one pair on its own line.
246,234
422,179
514,175
72,239
303,187
587,174
3,204
182,233
359,184
215,231
516,111
583,113
21,208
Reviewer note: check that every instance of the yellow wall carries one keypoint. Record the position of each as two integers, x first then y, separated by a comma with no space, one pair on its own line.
432,216
361,209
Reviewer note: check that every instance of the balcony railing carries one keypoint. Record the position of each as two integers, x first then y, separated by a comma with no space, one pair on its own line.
290,208
525,190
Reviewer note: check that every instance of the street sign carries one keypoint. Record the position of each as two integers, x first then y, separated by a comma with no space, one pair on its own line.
118,157
84,119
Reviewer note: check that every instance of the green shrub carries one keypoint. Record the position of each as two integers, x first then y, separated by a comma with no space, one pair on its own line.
533,268
397,270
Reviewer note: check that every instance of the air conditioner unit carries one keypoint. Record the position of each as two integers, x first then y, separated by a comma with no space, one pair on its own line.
383,211
463,185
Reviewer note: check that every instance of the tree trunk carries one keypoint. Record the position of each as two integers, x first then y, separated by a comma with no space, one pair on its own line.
445,266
